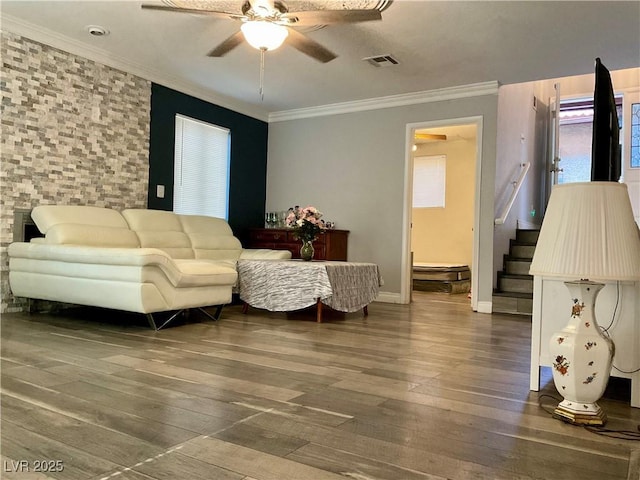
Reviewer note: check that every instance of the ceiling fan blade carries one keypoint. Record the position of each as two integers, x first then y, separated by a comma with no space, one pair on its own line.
325,17
197,11
226,46
309,47
430,136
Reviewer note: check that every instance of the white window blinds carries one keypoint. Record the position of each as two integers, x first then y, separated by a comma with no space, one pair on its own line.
201,172
429,177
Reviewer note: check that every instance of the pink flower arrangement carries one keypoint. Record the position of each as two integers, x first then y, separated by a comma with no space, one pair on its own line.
306,222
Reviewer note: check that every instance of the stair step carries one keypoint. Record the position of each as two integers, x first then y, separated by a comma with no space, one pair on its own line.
517,259
527,235
521,250
525,295
516,266
512,303
514,294
515,283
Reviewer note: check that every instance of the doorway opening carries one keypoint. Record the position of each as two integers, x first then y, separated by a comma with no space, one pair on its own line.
574,142
442,207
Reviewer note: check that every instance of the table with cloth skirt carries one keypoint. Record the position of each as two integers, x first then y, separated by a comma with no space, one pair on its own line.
286,285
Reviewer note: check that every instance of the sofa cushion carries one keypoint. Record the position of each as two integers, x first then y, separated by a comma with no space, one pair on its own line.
46,216
91,235
193,273
159,229
211,238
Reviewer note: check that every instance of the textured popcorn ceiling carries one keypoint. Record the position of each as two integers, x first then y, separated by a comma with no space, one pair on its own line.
294,6
438,44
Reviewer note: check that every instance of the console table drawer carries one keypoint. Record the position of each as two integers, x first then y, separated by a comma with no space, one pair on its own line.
331,245
268,235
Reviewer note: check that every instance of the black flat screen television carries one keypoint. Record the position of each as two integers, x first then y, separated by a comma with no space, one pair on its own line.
605,143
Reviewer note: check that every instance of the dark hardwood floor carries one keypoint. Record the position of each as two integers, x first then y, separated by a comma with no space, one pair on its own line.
427,391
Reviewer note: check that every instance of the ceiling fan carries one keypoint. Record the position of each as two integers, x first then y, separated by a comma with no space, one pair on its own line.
267,23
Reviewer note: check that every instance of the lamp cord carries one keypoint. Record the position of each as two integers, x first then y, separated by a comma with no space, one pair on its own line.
606,329
615,310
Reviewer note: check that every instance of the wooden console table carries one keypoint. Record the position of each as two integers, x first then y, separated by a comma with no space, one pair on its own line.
286,285
331,245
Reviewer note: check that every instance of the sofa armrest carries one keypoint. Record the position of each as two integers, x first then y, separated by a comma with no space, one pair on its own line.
264,254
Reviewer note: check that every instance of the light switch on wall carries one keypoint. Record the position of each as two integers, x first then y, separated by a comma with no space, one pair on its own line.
160,191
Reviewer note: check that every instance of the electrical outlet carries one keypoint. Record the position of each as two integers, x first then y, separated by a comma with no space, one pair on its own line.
160,191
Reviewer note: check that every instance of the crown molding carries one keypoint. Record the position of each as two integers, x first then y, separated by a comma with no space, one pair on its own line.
48,37
449,93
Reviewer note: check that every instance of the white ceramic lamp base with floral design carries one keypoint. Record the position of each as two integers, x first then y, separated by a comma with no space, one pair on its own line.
588,232
581,357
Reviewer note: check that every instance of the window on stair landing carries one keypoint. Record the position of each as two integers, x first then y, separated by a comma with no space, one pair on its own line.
576,130
201,168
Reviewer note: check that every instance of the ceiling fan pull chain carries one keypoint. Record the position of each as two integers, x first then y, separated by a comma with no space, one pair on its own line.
262,50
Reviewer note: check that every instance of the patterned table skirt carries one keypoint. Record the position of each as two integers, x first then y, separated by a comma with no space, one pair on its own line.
285,285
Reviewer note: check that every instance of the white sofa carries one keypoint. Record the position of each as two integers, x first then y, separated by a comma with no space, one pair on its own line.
137,260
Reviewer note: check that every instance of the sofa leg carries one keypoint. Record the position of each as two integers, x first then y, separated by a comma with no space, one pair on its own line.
152,321
31,305
216,316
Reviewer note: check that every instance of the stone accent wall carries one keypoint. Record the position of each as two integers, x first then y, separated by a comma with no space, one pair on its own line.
74,132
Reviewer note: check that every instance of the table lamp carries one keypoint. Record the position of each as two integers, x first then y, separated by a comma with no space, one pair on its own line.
588,235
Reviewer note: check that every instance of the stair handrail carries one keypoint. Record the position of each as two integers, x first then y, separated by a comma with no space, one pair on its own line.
516,188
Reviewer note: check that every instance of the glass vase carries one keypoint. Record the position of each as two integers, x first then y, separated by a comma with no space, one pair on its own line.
307,251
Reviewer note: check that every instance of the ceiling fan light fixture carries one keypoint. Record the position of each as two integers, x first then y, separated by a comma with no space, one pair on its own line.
264,35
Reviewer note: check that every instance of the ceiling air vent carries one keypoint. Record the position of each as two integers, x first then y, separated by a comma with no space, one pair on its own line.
382,60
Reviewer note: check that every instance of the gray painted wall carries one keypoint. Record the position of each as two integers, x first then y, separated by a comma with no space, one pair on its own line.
352,167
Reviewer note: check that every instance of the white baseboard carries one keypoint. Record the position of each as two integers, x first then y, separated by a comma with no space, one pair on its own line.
485,307
388,297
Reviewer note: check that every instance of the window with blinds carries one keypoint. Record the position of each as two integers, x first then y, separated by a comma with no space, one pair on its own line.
429,178
201,171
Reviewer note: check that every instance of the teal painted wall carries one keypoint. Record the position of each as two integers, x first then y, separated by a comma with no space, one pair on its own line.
247,189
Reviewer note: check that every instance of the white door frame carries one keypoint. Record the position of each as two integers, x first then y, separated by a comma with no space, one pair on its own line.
405,285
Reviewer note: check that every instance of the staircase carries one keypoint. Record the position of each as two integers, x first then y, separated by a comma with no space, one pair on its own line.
515,286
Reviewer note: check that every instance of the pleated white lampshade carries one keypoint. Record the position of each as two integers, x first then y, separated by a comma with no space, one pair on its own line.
588,232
